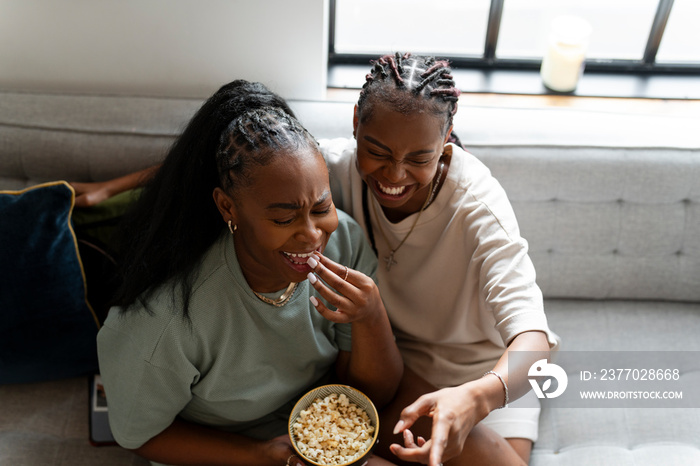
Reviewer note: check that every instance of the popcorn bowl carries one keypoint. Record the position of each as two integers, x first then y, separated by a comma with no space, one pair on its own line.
354,396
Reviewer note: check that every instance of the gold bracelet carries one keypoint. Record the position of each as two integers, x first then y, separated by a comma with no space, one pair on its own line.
505,387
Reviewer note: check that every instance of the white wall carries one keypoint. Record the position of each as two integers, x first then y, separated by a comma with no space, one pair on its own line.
182,48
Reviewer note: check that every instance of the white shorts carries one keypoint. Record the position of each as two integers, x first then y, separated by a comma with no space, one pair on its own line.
519,420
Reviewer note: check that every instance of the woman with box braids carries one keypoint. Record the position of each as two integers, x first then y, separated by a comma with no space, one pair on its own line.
232,259
454,272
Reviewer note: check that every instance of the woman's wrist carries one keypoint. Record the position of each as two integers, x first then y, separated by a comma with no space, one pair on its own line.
272,451
376,315
490,393
505,386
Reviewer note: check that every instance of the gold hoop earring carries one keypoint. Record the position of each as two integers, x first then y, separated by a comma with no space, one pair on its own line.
232,228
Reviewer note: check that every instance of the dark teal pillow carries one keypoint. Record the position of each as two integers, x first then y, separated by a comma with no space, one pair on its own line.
47,327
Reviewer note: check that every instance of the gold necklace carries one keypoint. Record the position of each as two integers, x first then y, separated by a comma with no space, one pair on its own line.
390,258
282,300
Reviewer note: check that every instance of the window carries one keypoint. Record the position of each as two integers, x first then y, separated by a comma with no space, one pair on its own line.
629,37
681,40
525,27
375,27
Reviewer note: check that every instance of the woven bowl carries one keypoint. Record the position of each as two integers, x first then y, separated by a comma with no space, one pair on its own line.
355,396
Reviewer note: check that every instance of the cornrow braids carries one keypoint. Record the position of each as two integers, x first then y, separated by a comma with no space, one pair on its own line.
253,139
396,69
408,83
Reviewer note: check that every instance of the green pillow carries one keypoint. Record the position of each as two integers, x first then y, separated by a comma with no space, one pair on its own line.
95,227
47,327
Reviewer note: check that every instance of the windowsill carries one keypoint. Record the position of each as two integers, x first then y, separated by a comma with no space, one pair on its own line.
528,82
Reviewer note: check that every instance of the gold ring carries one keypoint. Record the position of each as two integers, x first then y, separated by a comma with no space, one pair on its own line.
346,273
289,459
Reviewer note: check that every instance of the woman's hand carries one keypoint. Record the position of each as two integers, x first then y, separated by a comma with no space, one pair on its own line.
90,194
281,448
454,410
374,364
356,296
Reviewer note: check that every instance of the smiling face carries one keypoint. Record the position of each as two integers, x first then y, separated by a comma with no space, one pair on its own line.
398,155
283,215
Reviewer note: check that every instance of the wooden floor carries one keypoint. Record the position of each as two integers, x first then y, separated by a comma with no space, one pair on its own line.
675,107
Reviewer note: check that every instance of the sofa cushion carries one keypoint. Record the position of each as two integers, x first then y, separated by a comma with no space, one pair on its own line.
630,436
47,327
618,436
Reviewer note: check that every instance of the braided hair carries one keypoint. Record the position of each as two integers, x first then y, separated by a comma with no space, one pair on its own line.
253,139
175,220
408,84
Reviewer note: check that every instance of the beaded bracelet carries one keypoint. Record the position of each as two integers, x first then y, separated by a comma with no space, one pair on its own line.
505,387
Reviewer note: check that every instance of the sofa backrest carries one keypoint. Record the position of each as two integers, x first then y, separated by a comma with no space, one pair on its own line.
45,137
607,223
609,203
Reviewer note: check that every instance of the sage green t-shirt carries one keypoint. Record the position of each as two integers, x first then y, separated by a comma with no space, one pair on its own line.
239,364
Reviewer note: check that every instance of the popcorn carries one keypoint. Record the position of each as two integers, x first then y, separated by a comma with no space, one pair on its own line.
333,430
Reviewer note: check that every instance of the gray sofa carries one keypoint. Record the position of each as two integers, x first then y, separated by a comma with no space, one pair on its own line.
610,204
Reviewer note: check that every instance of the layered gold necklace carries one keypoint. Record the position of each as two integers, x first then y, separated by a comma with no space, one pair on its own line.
390,261
282,300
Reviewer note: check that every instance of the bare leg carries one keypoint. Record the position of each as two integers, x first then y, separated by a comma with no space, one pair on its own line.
522,446
375,460
411,387
483,446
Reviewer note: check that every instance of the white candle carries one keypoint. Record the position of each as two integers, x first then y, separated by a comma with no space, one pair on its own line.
563,63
